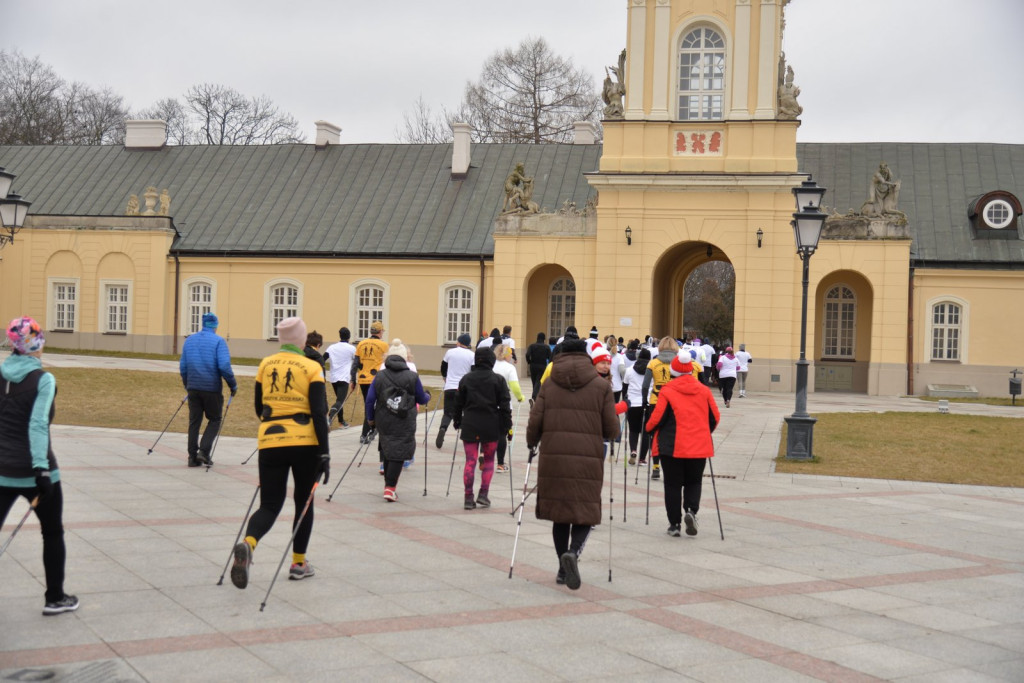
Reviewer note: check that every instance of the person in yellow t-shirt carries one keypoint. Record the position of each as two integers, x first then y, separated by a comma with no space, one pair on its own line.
659,373
370,355
291,404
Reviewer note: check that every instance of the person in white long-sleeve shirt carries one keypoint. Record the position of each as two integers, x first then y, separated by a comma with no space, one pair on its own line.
504,367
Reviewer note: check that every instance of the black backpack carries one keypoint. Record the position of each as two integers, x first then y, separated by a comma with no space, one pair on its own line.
398,400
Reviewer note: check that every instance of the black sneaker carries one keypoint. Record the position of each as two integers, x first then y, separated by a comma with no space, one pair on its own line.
69,603
656,473
560,576
362,438
483,501
673,530
330,415
690,520
203,458
193,462
439,441
470,503
243,561
570,565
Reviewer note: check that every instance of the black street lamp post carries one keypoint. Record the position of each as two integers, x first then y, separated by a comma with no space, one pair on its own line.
12,209
807,224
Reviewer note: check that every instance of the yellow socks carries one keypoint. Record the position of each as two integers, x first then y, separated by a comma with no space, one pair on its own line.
298,558
251,541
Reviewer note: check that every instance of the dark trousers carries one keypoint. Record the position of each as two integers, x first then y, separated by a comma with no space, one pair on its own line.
536,372
725,384
449,407
392,471
365,388
275,464
683,478
50,513
570,537
635,419
340,394
200,403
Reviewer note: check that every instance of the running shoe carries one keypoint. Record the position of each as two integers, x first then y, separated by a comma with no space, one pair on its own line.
673,530
501,469
301,571
690,520
570,565
483,501
243,561
632,458
69,603
389,494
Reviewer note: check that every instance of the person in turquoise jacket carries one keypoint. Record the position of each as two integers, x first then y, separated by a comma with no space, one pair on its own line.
28,468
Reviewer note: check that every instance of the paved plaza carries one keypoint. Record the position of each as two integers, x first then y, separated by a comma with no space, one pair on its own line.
818,578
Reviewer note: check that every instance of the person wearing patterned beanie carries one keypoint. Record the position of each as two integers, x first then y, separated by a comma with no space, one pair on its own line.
28,467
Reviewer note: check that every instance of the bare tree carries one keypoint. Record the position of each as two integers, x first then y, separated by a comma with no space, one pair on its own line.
709,298
227,117
180,127
98,118
527,95
32,107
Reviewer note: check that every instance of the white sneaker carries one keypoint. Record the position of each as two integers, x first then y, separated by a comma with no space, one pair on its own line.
690,520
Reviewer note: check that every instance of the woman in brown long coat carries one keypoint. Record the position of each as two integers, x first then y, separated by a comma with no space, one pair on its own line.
572,417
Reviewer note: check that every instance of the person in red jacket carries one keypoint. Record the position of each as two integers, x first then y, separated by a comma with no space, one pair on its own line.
682,422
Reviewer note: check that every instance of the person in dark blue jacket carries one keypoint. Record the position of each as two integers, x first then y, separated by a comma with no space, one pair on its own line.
205,361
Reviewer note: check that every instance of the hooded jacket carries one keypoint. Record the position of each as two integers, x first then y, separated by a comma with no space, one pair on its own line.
205,359
683,420
572,417
482,409
397,434
26,410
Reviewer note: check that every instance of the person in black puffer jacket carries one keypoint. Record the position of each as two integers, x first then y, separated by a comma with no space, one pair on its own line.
397,434
538,355
483,414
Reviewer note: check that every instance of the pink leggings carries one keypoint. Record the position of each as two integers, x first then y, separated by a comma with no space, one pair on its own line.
473,451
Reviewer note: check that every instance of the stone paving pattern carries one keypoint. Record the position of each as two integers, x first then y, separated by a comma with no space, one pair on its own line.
818,578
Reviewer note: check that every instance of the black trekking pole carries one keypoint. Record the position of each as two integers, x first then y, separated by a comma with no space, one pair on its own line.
361,447
251,454
31,507
370,436
220,581
611,512
522,506
426,440
168,425
714,488
216,439
455,451
295,531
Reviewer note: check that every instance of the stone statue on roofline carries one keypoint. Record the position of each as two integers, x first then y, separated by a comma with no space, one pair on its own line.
165,203
789,108
133,206
883,194
613,91
519,192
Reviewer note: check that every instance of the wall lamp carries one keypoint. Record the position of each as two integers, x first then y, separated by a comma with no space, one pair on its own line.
760,236
629,235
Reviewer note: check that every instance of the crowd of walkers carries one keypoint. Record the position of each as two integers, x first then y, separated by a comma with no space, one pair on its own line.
584,392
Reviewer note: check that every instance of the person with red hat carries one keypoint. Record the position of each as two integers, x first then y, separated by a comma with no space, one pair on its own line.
682,422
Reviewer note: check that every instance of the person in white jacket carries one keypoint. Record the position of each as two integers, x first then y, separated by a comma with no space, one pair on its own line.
504,367
745,360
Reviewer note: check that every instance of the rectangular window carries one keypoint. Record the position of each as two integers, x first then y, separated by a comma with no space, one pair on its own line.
65,305
369,307
458,313
116,318
200,302
284,304
946,332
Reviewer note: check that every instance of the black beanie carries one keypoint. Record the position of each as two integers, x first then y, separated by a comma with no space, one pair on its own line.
484,357
593,332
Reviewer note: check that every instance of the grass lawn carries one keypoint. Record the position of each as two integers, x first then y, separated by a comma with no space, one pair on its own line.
961,449
135,399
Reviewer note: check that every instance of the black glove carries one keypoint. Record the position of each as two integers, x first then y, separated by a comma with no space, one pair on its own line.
532,455
43,482
324,468
457,425
234,390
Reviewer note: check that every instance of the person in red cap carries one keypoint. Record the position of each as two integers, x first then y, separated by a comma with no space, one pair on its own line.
682,422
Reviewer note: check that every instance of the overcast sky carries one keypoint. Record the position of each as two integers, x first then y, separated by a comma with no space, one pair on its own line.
870,70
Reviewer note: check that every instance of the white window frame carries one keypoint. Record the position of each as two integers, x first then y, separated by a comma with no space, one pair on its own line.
186,303
354,307
839,323
550,309
288,310
52,303
105,305
680,114
930,328
443,310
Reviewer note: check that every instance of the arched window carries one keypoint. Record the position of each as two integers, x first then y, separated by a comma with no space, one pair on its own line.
701,75
458,313
199,297
561,306
947,321
840,323
369,307
284,300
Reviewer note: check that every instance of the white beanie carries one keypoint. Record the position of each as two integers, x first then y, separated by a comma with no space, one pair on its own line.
292,331
397,348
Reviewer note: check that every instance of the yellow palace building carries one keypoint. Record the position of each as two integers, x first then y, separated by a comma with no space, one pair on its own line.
916,287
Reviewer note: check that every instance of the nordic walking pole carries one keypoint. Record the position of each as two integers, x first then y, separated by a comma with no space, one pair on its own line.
455,450
31,507
715,489
611,512
625,470
371,435
525,498
251,454
508,454
522,506
216,439
168,424
220,581
426,440
361,446
298,524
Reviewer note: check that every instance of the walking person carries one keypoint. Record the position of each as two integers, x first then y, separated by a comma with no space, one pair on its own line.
572,418
745,360
205,362
391,406
28,467
482,413
341,355
538,355
618,368
728,367
507,340
658,374
506,370
633,381
682,423
292,438
369,356
456,363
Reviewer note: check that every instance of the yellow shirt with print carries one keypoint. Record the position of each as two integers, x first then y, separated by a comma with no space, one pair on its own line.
370,353
284,380
661,373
